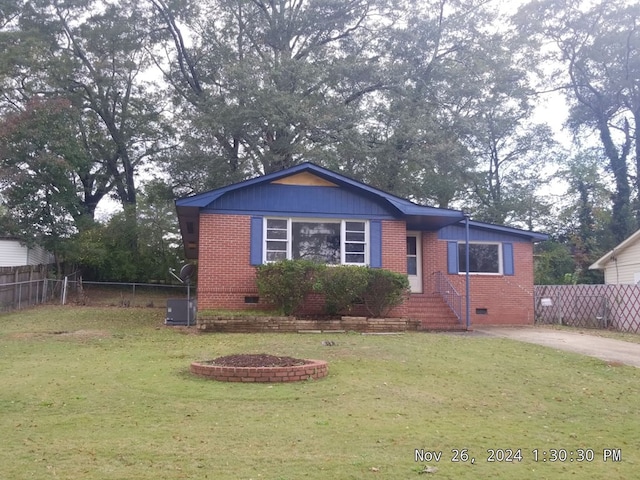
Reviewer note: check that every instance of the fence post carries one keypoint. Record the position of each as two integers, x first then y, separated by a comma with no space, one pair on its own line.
16,288
30,292
64,290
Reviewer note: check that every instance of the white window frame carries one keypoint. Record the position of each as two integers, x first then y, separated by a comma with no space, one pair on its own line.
343,236
287,239
500,259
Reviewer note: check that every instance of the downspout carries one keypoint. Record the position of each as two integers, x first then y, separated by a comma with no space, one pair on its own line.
467,279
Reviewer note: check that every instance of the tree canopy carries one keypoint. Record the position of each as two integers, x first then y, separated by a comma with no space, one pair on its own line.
435,101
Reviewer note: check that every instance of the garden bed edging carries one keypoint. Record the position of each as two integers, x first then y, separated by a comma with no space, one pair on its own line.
313,369
261,324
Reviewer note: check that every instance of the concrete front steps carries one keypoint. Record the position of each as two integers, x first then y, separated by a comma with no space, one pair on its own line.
434,314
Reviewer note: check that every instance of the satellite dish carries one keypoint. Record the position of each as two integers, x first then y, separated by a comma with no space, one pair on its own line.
187,272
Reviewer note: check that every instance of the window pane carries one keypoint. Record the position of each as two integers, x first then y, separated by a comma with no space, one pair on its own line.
354,247
354,258
276,223
280,246
355,226
355,237
316,241
276,256
482,258
277,234
411,245
412,265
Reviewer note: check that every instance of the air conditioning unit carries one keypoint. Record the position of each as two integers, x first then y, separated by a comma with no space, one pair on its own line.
180,311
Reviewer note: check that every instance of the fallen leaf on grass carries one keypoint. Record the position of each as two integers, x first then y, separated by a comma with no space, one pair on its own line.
428,469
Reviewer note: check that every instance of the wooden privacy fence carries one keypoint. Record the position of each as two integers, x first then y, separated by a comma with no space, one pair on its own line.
24,286
615,307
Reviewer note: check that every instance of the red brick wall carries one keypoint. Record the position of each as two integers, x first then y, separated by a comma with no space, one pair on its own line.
225,276
394,253
394,246
507,298
434,259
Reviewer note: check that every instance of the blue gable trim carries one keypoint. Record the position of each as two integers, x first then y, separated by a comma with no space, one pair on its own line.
396,206
300,201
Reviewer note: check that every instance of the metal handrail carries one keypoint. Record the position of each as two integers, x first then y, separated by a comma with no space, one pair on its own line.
449,294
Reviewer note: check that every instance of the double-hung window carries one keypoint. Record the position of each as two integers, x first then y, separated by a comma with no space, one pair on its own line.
329,241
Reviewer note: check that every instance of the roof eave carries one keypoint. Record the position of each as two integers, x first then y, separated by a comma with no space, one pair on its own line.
601,263
531,235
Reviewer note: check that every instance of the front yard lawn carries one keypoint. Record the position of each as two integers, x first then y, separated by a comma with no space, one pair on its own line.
105,393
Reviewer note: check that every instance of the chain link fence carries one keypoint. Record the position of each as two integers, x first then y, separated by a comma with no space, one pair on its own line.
615,307
18,295
112,294
25,286
72,290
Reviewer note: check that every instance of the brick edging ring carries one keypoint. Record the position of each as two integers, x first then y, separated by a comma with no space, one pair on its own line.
313,369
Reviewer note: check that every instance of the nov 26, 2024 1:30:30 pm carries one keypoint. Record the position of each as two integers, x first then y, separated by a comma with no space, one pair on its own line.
510,455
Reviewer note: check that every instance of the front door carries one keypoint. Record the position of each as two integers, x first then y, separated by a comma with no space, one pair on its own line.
414,261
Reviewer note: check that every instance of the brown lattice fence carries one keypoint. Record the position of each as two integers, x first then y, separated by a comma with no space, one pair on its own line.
614,307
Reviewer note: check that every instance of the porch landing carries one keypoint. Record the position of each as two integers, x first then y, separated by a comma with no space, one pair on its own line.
433,313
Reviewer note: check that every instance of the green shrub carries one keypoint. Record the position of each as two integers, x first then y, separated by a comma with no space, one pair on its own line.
384,291
342,286
285,284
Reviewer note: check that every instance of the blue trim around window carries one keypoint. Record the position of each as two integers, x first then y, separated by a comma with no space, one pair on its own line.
452,258
453,265
375,247
255,256
507,259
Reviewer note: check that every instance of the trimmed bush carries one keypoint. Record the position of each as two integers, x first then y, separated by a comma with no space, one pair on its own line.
285,284
384,291
342,286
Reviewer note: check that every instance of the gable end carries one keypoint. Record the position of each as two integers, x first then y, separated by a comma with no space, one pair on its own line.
300,200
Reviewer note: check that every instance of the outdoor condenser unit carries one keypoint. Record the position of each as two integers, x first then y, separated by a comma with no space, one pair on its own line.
181,311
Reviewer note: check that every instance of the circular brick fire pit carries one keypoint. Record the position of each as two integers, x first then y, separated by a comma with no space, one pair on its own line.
260,368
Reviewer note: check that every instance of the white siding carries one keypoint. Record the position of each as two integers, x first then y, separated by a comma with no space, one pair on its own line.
13,254
622,271
39,256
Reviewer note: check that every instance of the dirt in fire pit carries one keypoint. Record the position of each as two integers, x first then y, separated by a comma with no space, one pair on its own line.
256,360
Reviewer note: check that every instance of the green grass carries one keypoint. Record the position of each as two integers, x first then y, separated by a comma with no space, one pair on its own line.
112,399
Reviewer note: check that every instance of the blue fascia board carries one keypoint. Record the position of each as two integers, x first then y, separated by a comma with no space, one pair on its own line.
297,214
534,236
200,200
456,232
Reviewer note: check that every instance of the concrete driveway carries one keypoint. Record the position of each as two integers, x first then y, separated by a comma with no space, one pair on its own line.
599,347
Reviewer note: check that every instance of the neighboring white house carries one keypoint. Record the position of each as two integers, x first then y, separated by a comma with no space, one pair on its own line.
622,264
15,254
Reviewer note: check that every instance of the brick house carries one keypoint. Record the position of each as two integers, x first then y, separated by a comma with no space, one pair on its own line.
311,212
